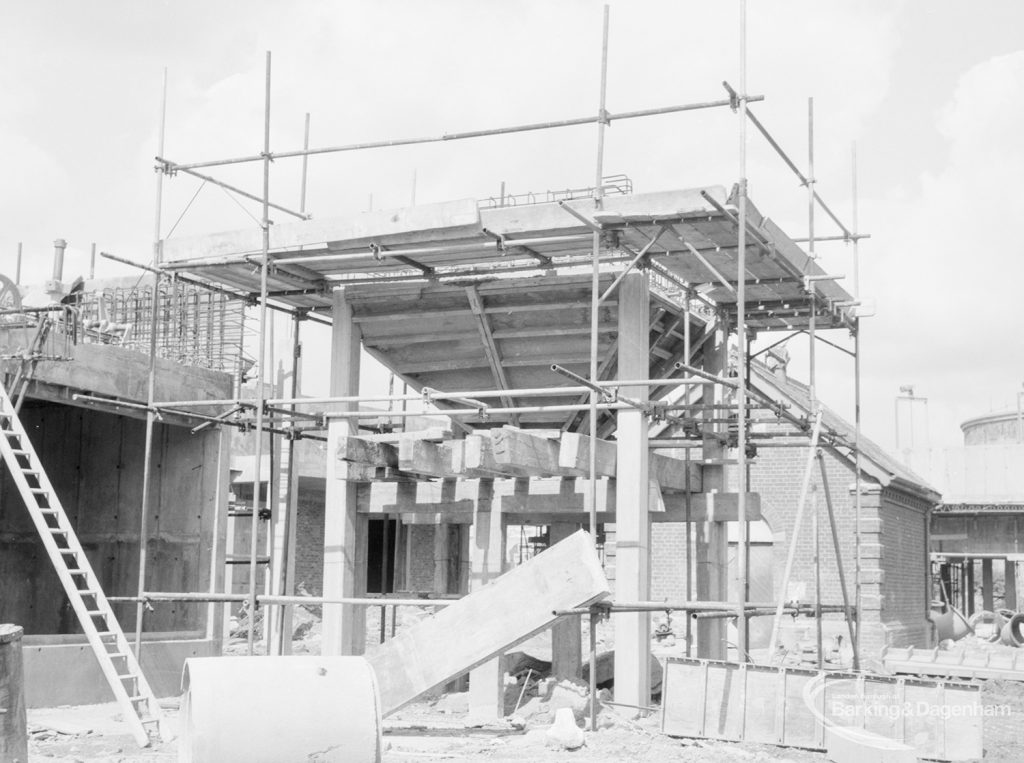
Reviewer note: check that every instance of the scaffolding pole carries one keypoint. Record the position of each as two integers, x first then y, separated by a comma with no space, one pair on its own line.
595,299
742,583
261,370
147,459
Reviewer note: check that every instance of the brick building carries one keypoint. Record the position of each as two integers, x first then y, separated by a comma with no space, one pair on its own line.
895,510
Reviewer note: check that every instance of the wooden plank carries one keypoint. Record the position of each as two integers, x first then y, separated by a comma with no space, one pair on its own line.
490,348
423,457
430,434
535,454
574,455
488,621
363,451
479,455
551,496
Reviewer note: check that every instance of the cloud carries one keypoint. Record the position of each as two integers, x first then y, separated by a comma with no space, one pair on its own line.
948,282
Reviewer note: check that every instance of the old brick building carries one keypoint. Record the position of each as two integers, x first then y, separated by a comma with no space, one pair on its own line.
895,509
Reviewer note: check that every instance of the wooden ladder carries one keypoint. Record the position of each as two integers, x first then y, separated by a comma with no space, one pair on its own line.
118,663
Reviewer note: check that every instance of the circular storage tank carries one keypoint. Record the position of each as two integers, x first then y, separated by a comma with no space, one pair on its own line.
991,429
279,710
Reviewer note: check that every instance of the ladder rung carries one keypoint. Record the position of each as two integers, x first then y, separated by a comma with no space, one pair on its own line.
138,698
49,511
87,592
68,550
20,452
94,612
58,531
76,571
38,490
125,676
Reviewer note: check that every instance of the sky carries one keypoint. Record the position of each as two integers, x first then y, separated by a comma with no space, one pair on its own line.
926,89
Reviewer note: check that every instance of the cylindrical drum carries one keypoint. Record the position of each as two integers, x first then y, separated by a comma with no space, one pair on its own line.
1013,632
279,710
13,727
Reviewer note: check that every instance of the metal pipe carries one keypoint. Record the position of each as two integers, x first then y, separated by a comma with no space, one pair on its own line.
147,463
743,558
238,191
436,395
791,556
607,118
17,267
839,556
847,235
305,167
261,367
817,574
375,601
632,263
595,287
92,262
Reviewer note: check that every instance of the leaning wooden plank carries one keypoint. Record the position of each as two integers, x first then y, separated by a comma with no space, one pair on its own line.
489,621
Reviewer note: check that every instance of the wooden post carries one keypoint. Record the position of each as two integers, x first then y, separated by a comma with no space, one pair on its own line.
1010,584
566,634
711,542
486,557
344,626
632,497
987,592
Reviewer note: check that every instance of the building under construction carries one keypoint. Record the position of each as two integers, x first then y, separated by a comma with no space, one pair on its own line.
590,356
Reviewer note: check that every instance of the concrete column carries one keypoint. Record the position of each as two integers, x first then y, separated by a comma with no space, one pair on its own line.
987,588
712,538
566,635
216,484
486,558
969,587
1010,584
345,531
632,499
442,555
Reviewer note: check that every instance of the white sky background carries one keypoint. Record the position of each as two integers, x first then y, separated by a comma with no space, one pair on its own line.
930,91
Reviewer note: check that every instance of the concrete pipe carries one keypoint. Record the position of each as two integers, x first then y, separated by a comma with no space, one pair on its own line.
280,710
1013,631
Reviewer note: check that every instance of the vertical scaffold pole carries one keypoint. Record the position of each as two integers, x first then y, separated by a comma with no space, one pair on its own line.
305,166
595,296
742,583
856,418
147,459
261,369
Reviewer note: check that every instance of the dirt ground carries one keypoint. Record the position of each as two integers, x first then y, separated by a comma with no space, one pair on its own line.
421,732
439,729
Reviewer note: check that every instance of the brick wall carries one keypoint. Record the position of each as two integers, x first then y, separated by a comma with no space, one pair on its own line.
309,541
893,546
